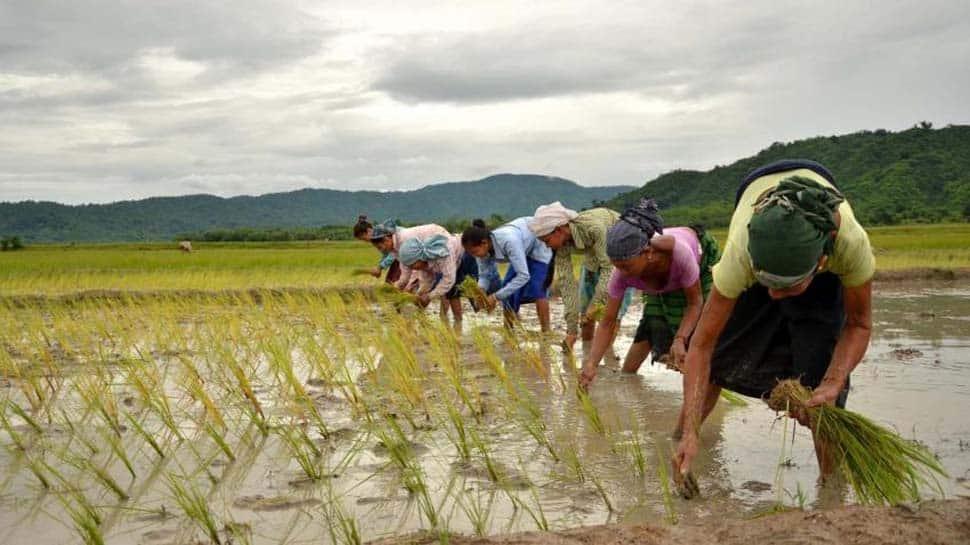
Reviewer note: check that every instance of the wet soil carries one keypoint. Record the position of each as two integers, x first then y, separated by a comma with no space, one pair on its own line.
930,523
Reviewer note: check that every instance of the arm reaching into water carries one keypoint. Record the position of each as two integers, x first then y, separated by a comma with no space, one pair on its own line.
697,375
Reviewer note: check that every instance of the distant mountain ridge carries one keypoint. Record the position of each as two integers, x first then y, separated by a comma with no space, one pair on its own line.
161,218
917,175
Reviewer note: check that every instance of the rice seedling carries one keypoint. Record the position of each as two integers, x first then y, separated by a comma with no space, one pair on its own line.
144,434
573,462
195,506
116,444
602,492
663,476
881,466
477,510
633,447
458,435
590,411
398,299
101,474
733,398
306,453
537,514
596,312
469,288
85,516
491,467
341,525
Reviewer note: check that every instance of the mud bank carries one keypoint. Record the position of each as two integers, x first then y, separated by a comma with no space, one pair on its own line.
934,522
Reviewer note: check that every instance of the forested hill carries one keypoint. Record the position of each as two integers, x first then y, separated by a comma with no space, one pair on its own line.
921,174
161,218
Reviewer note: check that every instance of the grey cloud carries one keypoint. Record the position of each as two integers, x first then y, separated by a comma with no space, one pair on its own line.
39,36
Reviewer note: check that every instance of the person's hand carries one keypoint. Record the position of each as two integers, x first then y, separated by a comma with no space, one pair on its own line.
376,272
569,341
490,303
825,394
686,451
586,376
678,353
424,300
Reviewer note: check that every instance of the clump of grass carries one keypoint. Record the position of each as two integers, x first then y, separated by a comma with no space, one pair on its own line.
397,297
469,288
881,466
196,507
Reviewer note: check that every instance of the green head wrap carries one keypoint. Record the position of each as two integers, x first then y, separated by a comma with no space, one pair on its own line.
791,230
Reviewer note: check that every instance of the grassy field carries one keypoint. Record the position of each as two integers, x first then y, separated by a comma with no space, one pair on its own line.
56,270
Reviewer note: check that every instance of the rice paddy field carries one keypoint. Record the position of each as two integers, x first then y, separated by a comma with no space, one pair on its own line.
236,395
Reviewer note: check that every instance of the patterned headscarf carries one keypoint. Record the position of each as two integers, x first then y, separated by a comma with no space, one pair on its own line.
791,229
381,230
632,233
429,249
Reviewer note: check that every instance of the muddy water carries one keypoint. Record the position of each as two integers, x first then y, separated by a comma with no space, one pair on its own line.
915,378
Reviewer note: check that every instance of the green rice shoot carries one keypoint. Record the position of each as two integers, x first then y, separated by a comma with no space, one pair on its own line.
881,466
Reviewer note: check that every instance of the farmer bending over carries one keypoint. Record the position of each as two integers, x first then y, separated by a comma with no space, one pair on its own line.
792,298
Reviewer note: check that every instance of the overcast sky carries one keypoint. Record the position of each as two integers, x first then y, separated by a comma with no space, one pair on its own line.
105,100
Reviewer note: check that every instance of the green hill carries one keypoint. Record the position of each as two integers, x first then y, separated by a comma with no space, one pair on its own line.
161,218
917,175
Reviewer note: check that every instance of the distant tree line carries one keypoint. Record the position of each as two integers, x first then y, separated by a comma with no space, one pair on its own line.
327,232
10,243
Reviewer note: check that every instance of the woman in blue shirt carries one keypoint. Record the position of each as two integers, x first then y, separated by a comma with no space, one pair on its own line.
528,276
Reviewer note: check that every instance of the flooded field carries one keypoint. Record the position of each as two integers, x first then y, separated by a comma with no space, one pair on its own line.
314,419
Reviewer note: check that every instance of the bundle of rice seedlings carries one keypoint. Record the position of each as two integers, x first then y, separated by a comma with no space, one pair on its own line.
881,466
596,312
397,297
469,288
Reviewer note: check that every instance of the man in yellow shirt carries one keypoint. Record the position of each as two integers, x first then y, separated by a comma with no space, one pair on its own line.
792,298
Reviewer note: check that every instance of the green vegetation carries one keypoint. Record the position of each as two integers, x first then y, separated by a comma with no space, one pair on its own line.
881,466
917,175
10,243
296,212
59,270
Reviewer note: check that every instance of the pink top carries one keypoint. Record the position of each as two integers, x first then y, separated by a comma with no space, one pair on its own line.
446,266
418,231
684,267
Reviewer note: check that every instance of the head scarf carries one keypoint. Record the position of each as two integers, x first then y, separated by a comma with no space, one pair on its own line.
550,216
632,233
791,230
429,249
382,230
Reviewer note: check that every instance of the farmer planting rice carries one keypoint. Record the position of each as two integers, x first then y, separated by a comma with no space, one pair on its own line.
440,264
567,232
673,268
791,299
528,276
362,231
388,238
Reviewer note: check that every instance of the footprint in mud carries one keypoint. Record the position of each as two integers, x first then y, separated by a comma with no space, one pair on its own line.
756,486
905,354
380,448
162,534
512,479
259,502
380,500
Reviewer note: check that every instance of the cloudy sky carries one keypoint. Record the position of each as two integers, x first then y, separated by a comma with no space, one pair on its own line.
106,100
